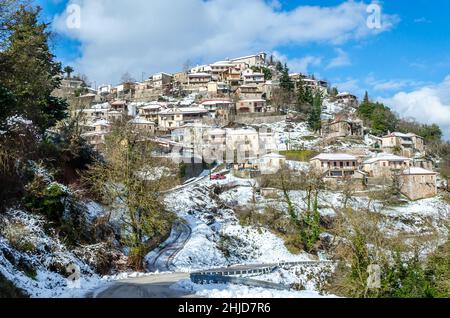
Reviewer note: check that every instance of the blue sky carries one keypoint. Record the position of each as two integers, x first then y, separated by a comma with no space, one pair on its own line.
406,63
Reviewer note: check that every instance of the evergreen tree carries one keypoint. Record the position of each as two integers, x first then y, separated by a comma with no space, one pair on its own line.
366,98
285,81
314,118
7,104
68,70
279,67
28,69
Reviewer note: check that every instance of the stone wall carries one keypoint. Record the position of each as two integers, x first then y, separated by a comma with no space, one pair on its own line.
257,119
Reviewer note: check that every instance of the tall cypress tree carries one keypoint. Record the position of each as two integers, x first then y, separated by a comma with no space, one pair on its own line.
314,118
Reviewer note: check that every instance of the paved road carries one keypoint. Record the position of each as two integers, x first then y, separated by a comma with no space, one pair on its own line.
161,259
154,286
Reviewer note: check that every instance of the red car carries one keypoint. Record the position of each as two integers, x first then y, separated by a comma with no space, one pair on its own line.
218,177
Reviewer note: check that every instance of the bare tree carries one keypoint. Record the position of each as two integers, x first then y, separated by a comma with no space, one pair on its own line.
131,179
127,78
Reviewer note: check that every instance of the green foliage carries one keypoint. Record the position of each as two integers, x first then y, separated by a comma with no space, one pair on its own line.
305,96
379,117
310,228
314,118
28,69
285,81
430,133
8,103
299,155
413,278
266,71
68,70
49,201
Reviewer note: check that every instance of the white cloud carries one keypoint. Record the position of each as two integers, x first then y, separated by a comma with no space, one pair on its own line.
342,59
392,84
350,85
153,35
298,65
429,104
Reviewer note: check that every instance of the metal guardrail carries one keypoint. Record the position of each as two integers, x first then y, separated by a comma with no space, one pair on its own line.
234,275
215,279
262,269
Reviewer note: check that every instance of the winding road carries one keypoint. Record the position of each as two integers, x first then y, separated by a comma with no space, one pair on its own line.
161,259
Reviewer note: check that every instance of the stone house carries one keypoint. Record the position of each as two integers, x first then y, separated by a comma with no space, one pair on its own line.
335,165
218,108
161,80
251,77
405,144
271,163
384,165
347,100
340,128
176,117
418,183
141,124
251,106
150,111
249,92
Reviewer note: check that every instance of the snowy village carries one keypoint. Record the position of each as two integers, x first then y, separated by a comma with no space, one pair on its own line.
237,178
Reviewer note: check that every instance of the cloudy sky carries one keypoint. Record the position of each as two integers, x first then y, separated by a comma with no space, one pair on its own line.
403,61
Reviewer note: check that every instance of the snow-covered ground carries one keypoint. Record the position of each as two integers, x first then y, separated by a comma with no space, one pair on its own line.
239,291
213,225
41,258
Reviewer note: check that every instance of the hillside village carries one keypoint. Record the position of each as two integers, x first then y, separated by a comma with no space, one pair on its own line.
232,179
232,104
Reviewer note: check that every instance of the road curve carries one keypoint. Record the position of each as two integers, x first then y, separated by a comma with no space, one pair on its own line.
153,286
162,258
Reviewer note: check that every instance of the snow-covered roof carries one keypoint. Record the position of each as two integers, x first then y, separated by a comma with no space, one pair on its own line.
200,75
119,102
161,73
248,56
334,156
214,102
88,95
242,131
184,110
385,157
101,122
141,121
153,106
401,135
344,94
253,74
417,171
252,100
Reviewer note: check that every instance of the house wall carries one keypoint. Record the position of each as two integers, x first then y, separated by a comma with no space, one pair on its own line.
417,187
384,168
